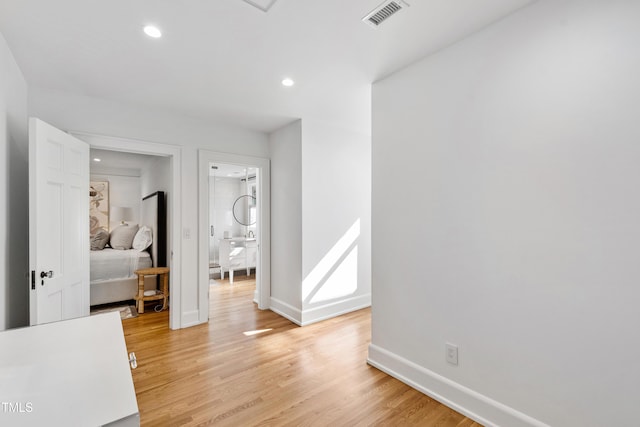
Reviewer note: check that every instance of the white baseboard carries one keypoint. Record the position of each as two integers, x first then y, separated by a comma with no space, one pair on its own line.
287,311
472,404
191,318
334,309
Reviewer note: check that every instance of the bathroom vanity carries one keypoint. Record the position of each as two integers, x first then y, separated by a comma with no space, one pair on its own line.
237,253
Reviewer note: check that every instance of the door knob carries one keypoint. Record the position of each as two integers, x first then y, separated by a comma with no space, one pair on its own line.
48,274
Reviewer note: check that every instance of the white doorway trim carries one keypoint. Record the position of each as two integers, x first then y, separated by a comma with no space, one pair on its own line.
205,158
174,153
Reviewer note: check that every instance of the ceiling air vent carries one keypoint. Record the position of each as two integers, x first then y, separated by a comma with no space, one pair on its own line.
383,12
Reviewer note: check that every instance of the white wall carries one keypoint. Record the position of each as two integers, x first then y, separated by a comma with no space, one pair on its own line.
336,220
105,117
124,191
227,190
14,193
285,147
518,150
156,176
320,221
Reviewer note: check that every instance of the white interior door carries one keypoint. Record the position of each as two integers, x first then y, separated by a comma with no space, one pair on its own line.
58,224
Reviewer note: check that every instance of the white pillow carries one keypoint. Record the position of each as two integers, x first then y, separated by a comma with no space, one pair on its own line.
143,239
122,236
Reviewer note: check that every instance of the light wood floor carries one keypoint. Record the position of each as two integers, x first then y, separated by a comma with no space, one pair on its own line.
248,367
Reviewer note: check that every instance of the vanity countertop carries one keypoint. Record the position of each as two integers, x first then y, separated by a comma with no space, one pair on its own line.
241,239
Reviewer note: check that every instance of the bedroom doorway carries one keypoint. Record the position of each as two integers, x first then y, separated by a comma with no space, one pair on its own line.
166,172
127,200
234,223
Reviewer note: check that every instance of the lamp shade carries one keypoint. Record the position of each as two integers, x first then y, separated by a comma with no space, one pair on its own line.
121,213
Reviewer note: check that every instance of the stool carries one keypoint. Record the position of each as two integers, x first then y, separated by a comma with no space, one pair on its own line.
141,298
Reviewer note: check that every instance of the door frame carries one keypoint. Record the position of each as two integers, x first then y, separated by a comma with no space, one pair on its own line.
205,158
175,156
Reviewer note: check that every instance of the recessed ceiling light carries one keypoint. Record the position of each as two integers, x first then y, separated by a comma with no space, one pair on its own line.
152,31
288,82
96,159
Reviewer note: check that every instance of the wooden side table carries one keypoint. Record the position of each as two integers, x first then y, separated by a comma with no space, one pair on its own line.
141,298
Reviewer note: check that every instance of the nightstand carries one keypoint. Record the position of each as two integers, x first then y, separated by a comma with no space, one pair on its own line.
141,298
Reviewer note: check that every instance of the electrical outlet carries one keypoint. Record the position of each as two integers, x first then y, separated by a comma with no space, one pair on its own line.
186,233
451,353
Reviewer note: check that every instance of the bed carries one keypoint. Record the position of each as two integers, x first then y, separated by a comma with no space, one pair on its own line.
112,277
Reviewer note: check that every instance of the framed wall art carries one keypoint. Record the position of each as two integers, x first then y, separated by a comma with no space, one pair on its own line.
98,206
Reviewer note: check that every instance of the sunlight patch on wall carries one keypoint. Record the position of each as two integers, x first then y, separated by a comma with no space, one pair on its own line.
342,282
336,274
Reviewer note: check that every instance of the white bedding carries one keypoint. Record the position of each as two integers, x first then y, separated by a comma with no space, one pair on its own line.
109,264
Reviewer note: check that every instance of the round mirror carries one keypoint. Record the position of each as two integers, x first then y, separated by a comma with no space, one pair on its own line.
241,210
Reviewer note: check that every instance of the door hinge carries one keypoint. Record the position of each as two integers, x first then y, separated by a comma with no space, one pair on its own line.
33,279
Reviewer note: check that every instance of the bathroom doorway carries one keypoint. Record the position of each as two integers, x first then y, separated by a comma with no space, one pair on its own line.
234,222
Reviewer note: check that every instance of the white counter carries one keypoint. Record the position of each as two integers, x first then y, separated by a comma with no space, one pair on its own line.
74,372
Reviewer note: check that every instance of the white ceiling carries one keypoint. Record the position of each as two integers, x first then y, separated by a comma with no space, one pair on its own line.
223,60
116,162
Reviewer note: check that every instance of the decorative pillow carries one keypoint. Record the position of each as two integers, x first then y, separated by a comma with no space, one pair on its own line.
99,240
122,236
143,239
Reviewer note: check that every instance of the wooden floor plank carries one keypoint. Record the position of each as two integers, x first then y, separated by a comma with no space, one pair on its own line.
249,367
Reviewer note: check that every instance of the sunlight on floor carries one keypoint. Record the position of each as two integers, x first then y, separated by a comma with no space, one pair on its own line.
256,332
